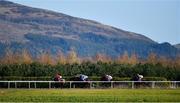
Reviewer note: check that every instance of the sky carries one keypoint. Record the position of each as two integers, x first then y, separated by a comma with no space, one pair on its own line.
156,19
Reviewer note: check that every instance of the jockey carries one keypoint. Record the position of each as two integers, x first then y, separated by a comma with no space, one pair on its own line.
58,77
140,77
108,77
83,77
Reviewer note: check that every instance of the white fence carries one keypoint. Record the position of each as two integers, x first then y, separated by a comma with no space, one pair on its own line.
90,84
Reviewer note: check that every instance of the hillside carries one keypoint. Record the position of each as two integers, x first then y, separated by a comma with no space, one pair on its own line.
39,30
177,46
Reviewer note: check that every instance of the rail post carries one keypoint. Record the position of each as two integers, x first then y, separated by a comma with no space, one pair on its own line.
111,84
153,84
132,84
175,85
70,84
34,84
9,84
49,85
90,85
74,86
15,84
29,85
171,85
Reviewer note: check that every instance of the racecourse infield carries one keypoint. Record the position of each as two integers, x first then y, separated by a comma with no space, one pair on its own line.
89,95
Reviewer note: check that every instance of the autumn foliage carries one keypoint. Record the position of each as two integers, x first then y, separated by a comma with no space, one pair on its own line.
71,57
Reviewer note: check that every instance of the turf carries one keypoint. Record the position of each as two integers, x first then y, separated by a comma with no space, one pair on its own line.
89,95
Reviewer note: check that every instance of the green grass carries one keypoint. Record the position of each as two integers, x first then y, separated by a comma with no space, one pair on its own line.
90,95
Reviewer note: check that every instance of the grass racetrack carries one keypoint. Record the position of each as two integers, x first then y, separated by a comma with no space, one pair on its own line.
89,95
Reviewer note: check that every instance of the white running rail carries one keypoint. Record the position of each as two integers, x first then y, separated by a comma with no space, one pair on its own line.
91,84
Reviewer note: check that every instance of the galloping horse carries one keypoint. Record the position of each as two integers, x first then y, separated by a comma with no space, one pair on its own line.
59,81
83,81
137,78
106,78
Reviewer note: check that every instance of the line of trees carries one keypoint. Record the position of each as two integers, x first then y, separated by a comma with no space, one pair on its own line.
60,58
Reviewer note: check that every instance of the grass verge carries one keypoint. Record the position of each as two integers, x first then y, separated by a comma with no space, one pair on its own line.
89,95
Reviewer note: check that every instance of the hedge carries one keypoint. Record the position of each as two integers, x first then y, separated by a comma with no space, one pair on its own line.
90,69
67,78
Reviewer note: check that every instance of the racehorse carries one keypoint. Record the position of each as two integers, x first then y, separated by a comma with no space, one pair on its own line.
82,81
59,81
137,78
106,78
